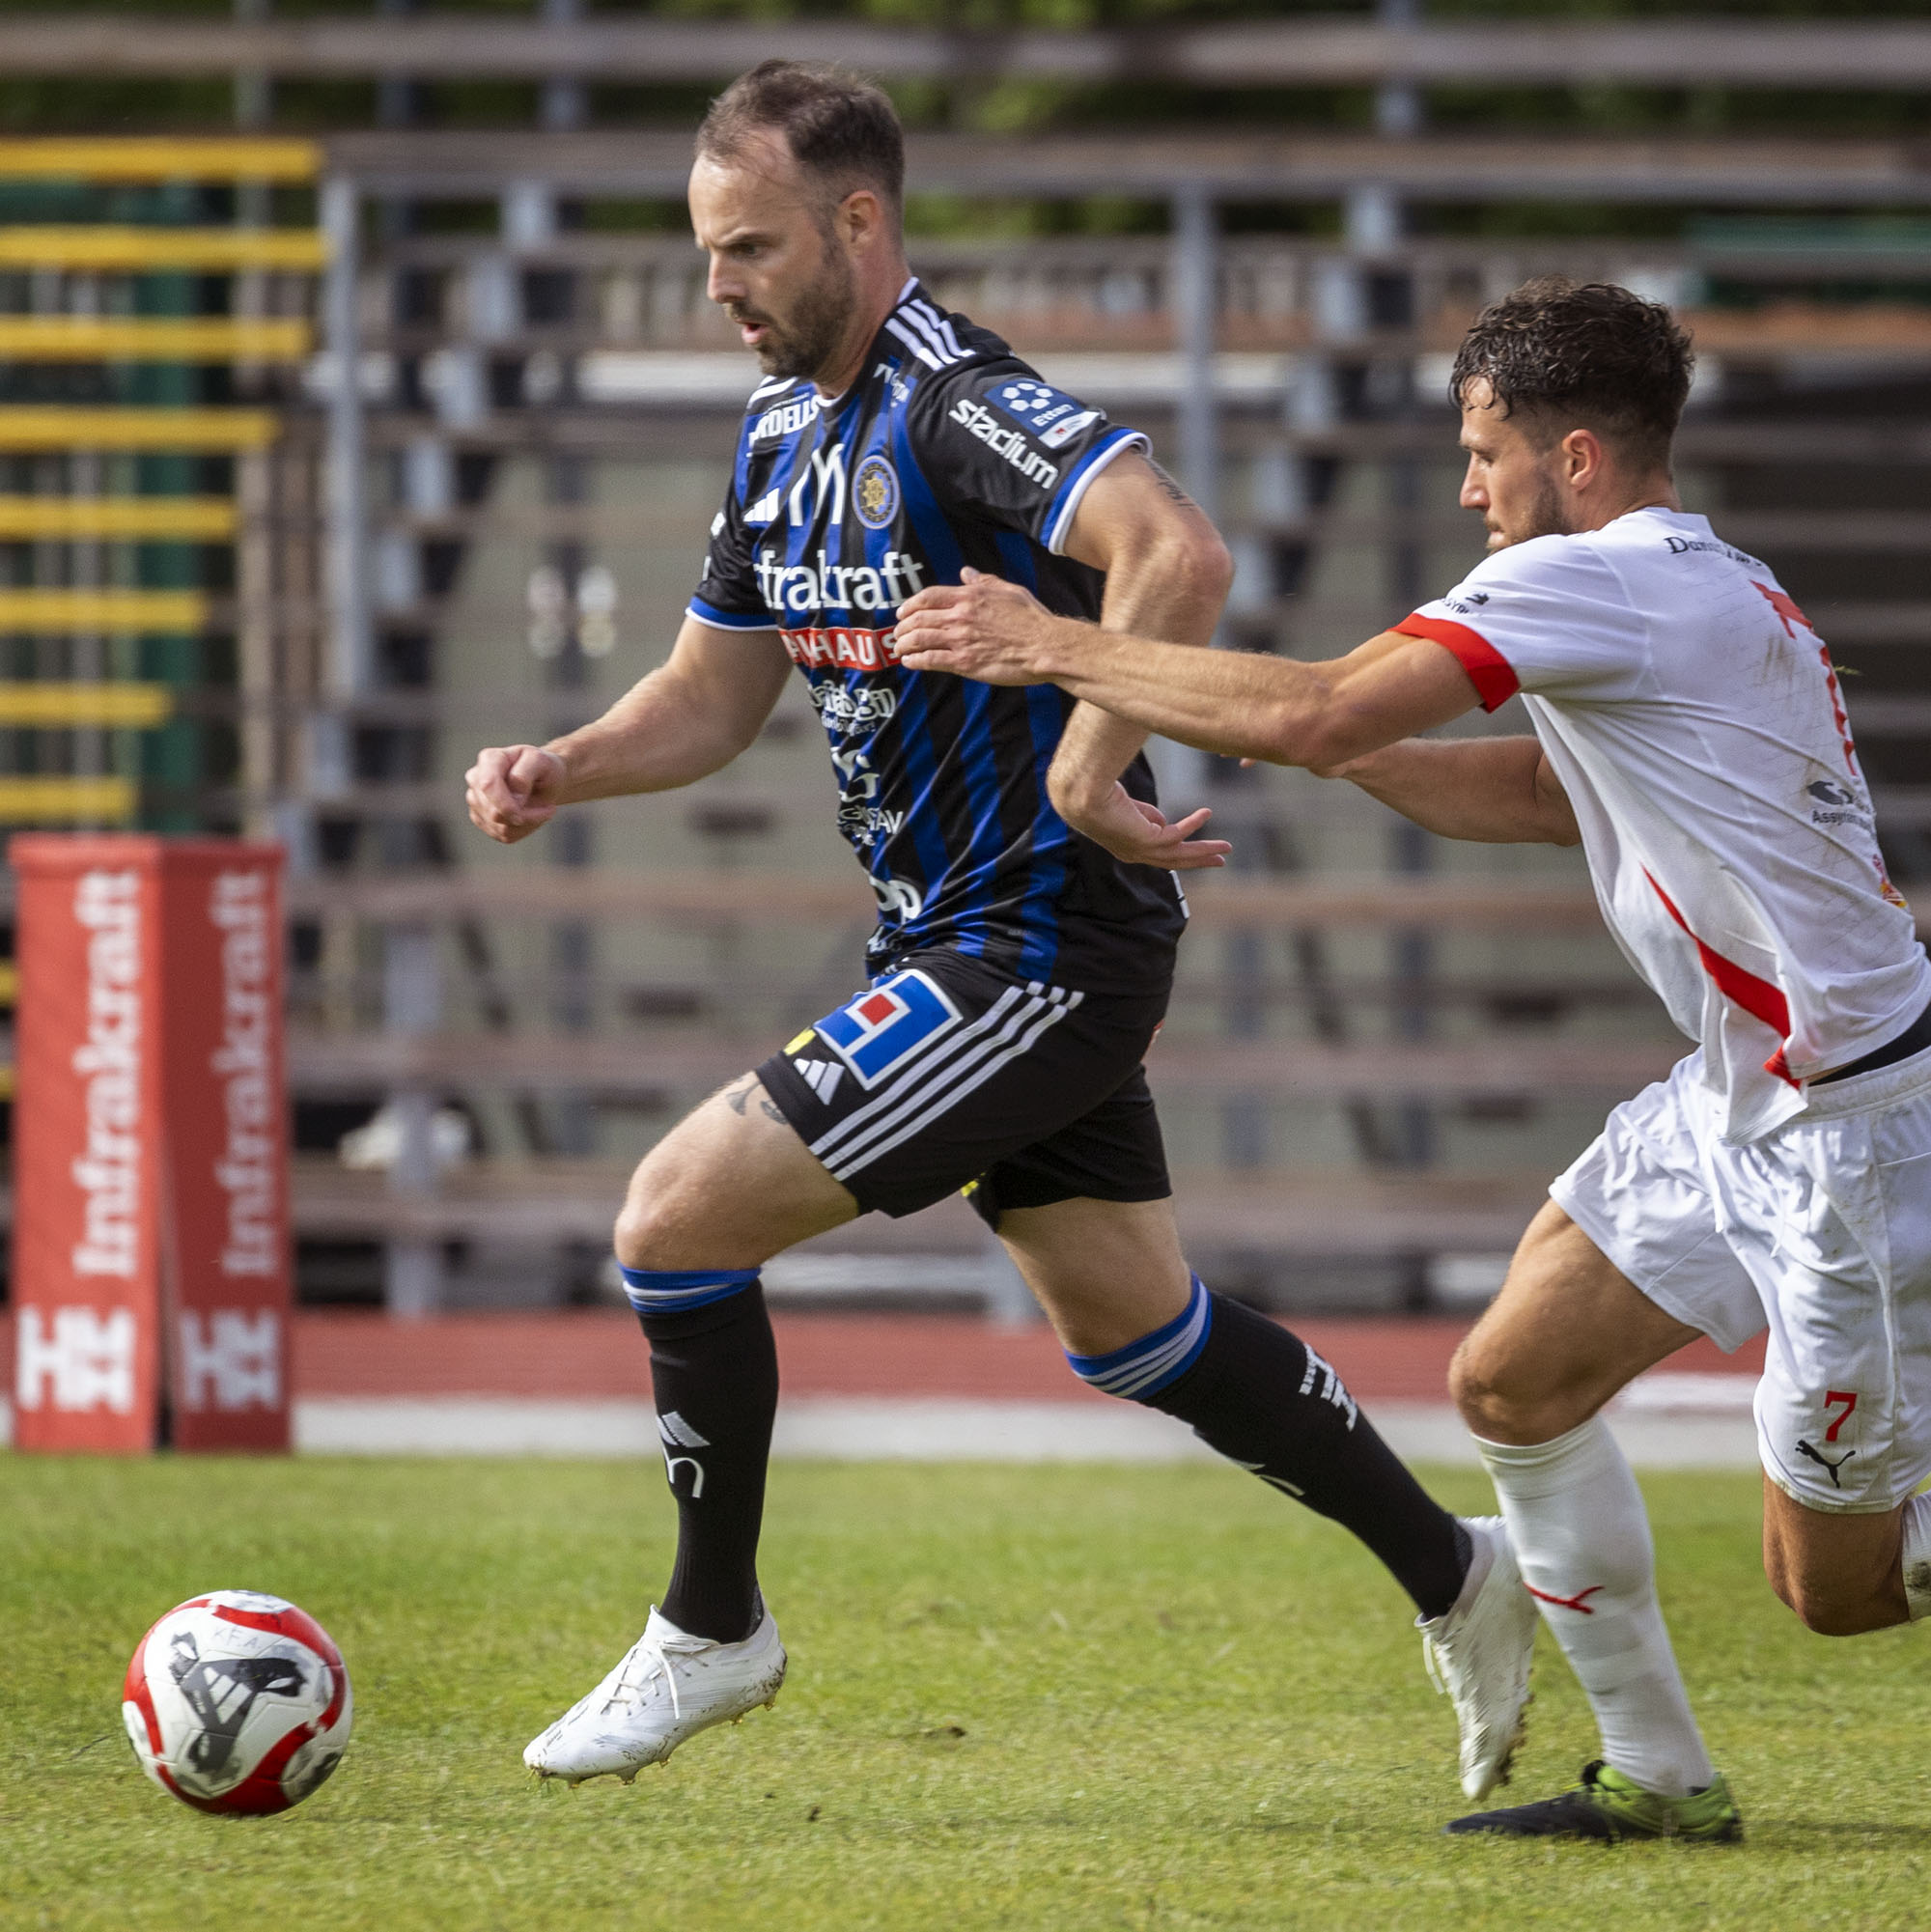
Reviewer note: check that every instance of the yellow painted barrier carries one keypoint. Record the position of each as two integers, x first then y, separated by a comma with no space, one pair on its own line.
6,1083
131,706
36,429
162,161
208,519
128,339
35,246
9,988
48,801
102,610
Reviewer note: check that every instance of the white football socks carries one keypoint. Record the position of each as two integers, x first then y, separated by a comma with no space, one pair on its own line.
1581,1538
1918,1556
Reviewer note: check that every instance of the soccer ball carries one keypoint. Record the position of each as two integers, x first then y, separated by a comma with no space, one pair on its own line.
236,1702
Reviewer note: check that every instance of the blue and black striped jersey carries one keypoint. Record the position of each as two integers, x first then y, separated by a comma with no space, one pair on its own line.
947,451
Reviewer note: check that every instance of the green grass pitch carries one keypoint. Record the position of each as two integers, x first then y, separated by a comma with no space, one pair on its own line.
1048,1698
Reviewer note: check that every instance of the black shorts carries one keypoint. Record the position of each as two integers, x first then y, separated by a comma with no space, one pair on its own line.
947,1074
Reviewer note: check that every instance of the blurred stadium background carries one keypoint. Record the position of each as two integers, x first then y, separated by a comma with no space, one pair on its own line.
362,405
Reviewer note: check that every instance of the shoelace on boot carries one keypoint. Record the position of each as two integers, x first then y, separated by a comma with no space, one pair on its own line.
656,1653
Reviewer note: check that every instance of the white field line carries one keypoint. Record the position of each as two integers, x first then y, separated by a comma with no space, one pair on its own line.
1686,1428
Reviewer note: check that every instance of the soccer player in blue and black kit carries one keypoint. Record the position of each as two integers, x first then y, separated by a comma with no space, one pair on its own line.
1025,942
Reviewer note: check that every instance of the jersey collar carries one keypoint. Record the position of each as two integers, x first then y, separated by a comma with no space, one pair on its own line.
919,327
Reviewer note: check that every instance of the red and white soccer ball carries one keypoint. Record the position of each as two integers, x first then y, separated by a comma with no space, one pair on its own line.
237,1702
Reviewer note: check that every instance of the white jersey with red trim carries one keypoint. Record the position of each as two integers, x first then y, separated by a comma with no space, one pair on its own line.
1693,715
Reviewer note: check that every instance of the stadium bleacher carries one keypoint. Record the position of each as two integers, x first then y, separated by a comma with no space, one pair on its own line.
1380,1044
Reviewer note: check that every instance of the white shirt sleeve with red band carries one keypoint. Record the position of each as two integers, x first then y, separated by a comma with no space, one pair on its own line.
1549,616
1690,712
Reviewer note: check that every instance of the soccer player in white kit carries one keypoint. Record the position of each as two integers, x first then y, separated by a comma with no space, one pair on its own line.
1690,733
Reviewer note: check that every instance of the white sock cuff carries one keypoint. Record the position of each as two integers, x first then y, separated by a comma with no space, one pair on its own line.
1918,1556
1541,1469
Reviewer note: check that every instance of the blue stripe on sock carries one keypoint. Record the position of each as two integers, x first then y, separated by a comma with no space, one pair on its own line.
1145,1367
664,1290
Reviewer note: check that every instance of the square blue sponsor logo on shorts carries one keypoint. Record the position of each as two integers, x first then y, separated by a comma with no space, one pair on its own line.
879,1029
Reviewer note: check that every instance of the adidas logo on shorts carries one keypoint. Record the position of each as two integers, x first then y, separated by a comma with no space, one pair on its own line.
820,1076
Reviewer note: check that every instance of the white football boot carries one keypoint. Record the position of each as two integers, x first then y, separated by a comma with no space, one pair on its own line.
669,1687
1478,1653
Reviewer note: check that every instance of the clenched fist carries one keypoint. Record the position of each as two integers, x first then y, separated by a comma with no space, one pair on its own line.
513,789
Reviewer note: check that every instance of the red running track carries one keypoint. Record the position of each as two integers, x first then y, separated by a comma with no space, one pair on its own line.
599,1354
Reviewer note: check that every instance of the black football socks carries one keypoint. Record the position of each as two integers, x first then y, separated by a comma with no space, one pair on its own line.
1260,1396
1248,1389
715,1375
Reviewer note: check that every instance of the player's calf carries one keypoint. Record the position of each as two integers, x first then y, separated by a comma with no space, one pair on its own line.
1265,1400
712,1653
1845,1573
731,1184
1259,1395
714,1377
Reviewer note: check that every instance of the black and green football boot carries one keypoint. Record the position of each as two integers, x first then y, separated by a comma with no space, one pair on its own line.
1610,1807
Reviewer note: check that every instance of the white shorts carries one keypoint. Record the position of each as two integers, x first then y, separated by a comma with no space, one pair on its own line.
1821,1231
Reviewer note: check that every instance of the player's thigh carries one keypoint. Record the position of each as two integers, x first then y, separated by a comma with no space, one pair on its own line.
1106,1272
729,1187
1566,1332
1086,1212
1842,1574
1626,1263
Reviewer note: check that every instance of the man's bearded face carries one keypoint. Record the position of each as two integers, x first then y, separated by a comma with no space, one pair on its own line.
795,329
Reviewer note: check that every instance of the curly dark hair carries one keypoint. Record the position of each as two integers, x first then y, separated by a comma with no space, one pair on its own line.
839,127
1582,355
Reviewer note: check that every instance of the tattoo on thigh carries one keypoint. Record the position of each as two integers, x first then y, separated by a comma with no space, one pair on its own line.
739,1097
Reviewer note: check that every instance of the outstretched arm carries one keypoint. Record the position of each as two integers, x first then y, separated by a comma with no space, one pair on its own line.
1167,573
690,718
1244,706
1351,716
1495,791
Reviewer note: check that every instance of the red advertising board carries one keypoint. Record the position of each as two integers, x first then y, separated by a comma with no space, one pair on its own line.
86,1202
150,1234
226,1265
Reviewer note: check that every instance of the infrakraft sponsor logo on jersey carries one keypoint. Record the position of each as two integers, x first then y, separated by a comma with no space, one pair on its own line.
830,586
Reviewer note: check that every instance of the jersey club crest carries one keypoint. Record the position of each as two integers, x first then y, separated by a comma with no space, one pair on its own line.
874,493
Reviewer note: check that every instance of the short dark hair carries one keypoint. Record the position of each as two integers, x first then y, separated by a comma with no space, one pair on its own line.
1586,355
838,127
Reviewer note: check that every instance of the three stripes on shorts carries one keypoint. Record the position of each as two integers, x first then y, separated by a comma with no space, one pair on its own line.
934,1079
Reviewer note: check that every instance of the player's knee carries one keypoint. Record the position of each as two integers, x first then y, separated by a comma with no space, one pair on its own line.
1825,1614
1826,1611
1484,1404
634,1238
667,1217
652,1234
1499,1402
